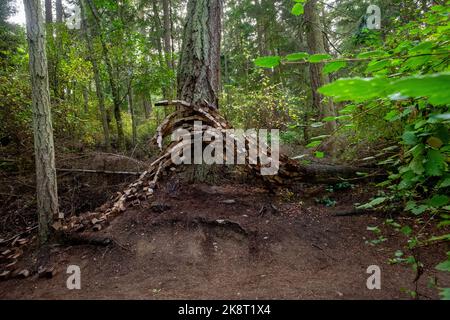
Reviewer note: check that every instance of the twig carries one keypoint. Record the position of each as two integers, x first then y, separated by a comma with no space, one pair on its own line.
134,173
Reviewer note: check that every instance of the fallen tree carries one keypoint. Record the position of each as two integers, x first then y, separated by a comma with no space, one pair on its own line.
289,172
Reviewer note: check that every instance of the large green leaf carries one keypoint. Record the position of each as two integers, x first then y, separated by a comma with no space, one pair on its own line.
355,89
372,54
445,293
377,65
297,56
316,58
444,266
438,200
334,66
409,138
435,87
435,163
268,62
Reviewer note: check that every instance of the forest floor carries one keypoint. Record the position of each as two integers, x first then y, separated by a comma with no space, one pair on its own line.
235,241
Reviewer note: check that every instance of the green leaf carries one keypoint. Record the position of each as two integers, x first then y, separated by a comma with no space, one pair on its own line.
438,200
298,9
415,63
391,115
420,209
316,58
348,109
444,266
423,47
445,182
416,165
334,66
409,138
439,117
371,54
314,144
435,163
328,119
373,229
377,65
319,154
372,203
267,62
355,89
435,142
297,56
445,293
406,230
435,87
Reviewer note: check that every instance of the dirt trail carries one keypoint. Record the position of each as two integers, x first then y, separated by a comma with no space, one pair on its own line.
233,242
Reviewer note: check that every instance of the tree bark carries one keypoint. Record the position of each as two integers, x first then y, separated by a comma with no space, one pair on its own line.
48,12
147,106
167,34
199,68
316,45
133,114
158,31
59,11
47,192
85,99
98,83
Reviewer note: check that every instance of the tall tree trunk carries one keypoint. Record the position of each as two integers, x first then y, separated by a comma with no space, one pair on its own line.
115,88
59,11
168,49
316,45
199,68
85,99
97,80
147,106
158,41
58,87
133,114
158,31
48,12
46,186
167,34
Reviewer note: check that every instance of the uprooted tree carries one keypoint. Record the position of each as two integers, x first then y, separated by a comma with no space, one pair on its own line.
198,87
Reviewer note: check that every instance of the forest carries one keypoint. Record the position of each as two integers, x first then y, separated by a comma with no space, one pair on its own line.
225,149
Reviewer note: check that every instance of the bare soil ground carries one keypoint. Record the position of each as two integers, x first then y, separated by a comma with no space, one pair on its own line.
234,241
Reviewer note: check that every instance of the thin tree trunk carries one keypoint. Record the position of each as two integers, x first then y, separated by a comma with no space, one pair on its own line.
85,99
199,68
97,80
158,31
58,87
47,191
133,114
59,11
147,106
167,34
48,12
316,45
